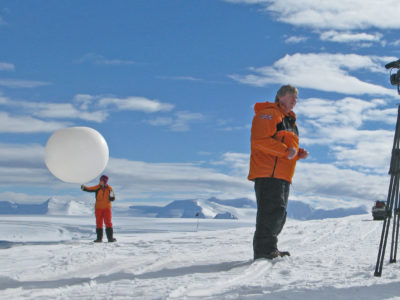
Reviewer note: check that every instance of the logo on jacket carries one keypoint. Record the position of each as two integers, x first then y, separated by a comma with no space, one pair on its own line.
266,117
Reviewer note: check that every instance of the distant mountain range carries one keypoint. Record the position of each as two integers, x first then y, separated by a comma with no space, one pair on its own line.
236,209
52,206
301,211
241,208
210,208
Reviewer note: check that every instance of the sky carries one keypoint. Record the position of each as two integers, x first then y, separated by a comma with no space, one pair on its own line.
171,86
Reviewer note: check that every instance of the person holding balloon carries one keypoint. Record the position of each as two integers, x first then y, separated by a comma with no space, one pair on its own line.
104,197
80,154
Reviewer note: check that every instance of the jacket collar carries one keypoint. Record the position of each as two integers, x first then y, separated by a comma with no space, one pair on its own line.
259,106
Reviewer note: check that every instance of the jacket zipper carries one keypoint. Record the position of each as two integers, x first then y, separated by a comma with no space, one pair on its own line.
273,171
276,161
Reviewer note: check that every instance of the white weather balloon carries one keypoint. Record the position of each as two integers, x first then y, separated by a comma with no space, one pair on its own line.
76,154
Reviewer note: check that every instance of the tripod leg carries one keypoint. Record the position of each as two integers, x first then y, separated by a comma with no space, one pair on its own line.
393,198
385,229
382,247
395,236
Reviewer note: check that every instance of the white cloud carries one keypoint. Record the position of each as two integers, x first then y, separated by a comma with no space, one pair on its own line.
184,78
101,60
324,72
26,124
18,83
227,125
238,162
340,126
83,101
179,174
21,155
179,121
236,128
248,1
92,108
160,121
327,181
296,39
141,180
367,150
25,177
56,110
83,107
6,66
183,118
23,165
395,43
346,37
66,111
367,155
22,198
136,104
342,183
344,112
339,14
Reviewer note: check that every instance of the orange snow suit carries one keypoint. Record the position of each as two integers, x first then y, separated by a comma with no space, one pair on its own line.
102,195
273,131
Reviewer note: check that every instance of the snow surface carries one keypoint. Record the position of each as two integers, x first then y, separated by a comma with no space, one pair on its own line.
53,257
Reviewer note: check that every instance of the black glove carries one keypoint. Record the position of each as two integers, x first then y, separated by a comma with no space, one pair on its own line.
112,196
82,187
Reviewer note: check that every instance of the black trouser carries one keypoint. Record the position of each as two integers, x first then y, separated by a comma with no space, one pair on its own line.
272,197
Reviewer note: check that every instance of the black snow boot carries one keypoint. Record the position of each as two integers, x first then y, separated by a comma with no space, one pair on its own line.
284,253
273,254
99,232
270,255
109,232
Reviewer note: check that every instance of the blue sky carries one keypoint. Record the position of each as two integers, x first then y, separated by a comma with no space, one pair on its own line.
171,86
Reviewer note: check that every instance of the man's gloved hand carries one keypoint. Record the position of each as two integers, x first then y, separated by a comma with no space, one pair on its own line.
303,153
82,187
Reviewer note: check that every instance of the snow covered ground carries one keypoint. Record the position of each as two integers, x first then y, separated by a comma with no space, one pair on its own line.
53,257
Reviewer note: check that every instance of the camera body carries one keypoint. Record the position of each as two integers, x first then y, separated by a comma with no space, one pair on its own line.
395,78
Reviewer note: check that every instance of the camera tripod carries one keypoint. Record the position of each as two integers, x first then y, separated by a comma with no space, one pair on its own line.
392,204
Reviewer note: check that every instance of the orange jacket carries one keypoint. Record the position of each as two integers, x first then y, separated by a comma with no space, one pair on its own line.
272,133
102,195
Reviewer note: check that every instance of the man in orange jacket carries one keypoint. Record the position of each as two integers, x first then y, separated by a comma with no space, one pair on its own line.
104,196
274,153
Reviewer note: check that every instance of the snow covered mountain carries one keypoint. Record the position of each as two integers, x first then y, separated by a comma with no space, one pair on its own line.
71,207
11,208
199,208
301,211
180,209
235,209
212,208
52,206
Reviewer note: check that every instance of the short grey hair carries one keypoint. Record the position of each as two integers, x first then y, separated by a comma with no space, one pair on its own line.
286,89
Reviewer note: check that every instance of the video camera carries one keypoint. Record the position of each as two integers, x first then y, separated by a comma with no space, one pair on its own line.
394,78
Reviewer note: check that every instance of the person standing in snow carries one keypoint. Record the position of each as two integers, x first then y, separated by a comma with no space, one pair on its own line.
104,197
274,153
